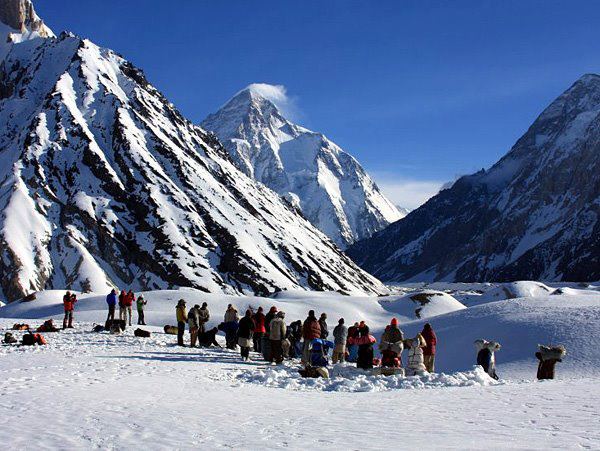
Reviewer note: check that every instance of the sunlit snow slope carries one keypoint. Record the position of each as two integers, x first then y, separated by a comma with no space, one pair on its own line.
103,182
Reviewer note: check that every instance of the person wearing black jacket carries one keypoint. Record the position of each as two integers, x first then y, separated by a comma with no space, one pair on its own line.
323,324
245,331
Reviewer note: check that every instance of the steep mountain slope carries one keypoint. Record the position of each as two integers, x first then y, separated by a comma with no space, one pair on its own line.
103,182
533,215
327,184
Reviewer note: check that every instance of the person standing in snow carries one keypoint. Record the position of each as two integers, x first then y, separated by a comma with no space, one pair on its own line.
203,318
310,330
416,365
69,301
365,342
548,357
111,301
340,336
429,350
181,314
266,342
231,320
295,338
277,333
193,324
323,326
140,304
352,348
128,306
259,329
486,356
122,296
245,332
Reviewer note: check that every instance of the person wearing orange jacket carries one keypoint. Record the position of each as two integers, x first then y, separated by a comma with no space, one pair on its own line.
311,329
69,301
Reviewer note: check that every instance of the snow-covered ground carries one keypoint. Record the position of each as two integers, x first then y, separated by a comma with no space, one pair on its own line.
96,390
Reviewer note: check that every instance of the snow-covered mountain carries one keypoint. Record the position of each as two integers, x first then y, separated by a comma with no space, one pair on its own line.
316,176
533,215
103,182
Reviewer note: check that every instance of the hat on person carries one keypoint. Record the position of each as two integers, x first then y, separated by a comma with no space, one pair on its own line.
394,322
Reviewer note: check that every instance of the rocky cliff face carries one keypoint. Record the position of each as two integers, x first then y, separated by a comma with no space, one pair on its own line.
533,215
20,16
103,182
311,172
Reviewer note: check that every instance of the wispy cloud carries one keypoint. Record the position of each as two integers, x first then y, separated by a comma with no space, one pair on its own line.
406,192
279,96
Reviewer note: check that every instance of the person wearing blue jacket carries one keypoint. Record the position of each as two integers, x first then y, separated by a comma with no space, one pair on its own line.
111,300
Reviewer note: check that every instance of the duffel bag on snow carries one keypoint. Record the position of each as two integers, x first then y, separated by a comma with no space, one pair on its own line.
141,333
170,330
33,339
98,328
20,326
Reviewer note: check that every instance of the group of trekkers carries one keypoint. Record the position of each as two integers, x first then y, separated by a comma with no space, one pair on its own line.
269,335
125,300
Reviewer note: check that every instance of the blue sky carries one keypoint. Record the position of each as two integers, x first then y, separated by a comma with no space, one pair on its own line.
418,91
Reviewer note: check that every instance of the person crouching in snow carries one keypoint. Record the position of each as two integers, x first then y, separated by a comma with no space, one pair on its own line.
548,356
69,301
141,304
340,337
365,342
209,338
486,357
181,320
416,365
245,332
429,351
277,332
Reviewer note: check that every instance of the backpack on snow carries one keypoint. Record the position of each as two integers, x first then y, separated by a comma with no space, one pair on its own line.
141,333
33,339
9,339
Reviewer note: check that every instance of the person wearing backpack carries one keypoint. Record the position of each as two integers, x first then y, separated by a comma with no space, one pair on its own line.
182,318
111,301
69,301
140,304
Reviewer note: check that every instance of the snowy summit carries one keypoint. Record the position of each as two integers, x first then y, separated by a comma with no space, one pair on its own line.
315,175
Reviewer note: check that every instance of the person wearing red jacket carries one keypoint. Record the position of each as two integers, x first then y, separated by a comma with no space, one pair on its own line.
128,301
429,350
310,330
259,329
69,301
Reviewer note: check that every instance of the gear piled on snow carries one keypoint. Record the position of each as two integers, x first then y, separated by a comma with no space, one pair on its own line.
106,184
